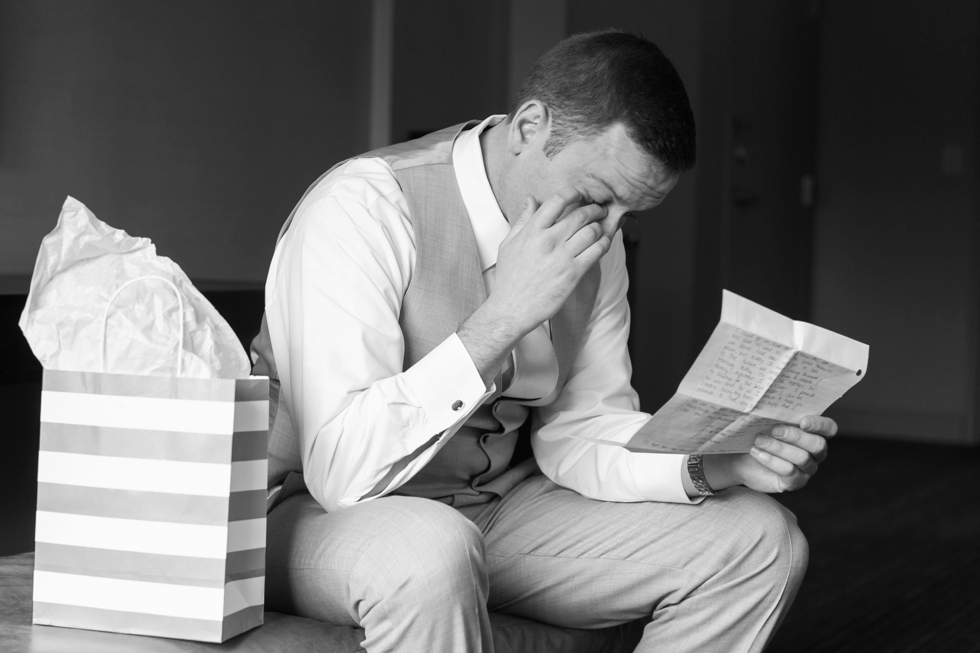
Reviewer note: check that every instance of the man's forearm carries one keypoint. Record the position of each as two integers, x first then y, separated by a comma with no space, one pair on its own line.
489,335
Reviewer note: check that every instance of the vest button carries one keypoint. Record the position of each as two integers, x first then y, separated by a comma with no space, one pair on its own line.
457,405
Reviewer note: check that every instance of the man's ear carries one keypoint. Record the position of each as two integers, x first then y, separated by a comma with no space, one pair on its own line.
529,128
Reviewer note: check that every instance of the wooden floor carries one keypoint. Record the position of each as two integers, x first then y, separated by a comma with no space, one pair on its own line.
894,532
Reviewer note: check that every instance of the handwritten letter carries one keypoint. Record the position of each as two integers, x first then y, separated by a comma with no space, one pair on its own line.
757,370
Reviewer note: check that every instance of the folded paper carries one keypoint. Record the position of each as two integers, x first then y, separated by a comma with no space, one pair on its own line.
758,369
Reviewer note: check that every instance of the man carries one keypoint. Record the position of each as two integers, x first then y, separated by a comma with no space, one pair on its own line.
424,301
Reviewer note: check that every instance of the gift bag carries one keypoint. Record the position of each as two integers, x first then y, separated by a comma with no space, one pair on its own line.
151,504
152,469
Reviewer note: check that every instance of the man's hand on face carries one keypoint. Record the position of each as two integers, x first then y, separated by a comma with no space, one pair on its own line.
539,263
785,461
546,253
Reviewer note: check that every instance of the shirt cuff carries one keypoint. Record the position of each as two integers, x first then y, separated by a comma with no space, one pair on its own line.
659,476
447,385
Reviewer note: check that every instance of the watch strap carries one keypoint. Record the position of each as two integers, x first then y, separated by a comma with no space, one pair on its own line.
695,470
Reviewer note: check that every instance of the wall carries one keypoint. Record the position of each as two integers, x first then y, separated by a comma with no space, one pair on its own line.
894,241
450,64
535,26
197,124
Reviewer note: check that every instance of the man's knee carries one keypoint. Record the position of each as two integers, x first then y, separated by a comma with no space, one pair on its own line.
399,548
424,550
768,539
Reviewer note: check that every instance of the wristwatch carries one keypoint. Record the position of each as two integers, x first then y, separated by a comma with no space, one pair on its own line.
696,472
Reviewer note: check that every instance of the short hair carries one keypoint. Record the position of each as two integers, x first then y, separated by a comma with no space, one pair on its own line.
594,80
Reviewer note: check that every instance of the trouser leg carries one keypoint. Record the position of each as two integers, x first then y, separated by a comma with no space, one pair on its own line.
409,571
717,576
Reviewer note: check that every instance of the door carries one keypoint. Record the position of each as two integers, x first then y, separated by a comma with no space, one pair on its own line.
755,218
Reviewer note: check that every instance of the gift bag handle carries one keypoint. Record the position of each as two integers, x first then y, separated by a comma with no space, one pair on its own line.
180,307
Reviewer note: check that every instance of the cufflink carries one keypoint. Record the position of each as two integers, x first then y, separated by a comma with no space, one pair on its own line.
457,405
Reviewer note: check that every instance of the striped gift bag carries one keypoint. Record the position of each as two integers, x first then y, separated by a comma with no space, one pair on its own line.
151,504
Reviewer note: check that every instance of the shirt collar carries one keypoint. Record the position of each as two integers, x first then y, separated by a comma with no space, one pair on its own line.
490,226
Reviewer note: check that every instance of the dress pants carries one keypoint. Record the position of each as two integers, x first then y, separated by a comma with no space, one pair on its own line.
418,575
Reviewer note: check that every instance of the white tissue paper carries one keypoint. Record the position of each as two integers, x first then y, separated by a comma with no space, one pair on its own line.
103,301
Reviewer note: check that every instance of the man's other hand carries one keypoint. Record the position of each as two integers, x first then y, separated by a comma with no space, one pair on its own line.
546,253
539,264
781,462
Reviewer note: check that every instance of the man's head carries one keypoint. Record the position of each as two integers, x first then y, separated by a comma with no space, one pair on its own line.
592,81
603,113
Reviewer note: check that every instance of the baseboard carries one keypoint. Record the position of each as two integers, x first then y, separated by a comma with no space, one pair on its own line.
935,428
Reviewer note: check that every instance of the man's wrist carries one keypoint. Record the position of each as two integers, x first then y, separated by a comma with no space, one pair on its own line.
696,473
718,471
488,337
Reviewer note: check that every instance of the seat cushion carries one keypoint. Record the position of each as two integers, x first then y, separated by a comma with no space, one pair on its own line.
280,633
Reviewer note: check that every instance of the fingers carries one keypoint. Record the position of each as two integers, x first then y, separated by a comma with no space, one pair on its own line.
611,225
789,456
588,257
792,453
585,238
554,207
813,443
786,459
580,227
563,212
789,476
820,425
530,208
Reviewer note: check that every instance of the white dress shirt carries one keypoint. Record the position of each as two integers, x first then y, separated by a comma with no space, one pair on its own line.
333,298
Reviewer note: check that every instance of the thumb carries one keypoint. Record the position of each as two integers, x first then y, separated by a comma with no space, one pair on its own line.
530,206
527,212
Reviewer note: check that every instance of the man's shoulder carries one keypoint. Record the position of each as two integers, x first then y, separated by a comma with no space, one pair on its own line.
367,178
362,180
374,174
432,148
358,200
